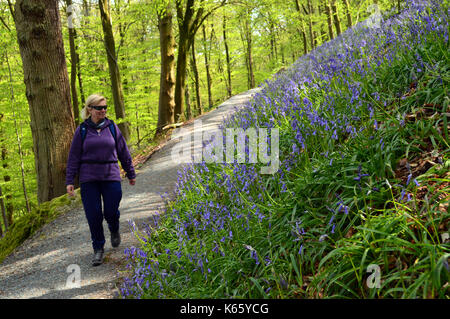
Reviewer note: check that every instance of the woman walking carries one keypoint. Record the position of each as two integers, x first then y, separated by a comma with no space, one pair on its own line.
96,146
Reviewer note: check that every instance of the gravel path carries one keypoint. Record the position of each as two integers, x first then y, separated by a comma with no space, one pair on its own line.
42,265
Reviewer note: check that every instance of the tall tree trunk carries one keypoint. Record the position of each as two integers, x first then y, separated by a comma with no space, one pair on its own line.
246,58
227,53
189,19
180,81
47,89
329,18
86,13
122,29
348,13
305,42
312,12
323,32
187,101
185,27
302,30
248,42
166,105
86,8
197,79
310,25
337,20
207,57
114,74
73,65
272,42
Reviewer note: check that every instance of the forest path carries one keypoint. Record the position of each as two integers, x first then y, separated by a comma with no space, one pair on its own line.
42,265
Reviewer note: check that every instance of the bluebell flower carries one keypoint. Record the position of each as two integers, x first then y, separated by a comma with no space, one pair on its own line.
409,179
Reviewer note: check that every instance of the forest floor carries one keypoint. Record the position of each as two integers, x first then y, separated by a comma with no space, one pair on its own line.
45,264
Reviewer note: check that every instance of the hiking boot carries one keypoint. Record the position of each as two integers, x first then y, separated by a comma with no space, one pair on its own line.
98,257
115,239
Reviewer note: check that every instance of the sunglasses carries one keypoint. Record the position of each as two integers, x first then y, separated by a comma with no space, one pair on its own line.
99,108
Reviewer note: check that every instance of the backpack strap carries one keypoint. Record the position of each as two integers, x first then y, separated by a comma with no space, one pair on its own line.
112,128
83,132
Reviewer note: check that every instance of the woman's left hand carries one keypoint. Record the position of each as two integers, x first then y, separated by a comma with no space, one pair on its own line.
132,181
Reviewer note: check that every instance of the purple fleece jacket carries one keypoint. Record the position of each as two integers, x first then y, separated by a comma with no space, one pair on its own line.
98,146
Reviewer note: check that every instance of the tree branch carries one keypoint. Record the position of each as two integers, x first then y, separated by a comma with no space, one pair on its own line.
199,20
4,23
304,9
11,9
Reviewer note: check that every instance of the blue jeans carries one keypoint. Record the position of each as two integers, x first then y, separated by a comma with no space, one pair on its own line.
91,196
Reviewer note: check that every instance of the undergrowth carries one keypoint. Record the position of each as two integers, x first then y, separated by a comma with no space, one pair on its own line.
359,205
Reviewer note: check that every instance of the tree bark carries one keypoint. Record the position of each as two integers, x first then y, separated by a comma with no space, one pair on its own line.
166,105
337,20
227,53
323,32
187,97
272,55
73,67
208,74
114,74
310,25
246,58
248,42
312,12
122,30
189,20
329,19
197,81
47,90
305,42
180,81
185,26
302,31
250,61
86,13
348,13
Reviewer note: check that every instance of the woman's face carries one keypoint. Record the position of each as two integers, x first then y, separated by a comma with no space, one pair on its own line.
98,115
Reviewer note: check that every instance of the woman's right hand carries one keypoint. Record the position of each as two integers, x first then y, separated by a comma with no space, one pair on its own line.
70,190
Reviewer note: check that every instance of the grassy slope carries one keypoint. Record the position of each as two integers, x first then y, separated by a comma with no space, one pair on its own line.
366,183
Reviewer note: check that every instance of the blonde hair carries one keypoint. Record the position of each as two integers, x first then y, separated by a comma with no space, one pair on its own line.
93,99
